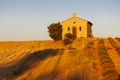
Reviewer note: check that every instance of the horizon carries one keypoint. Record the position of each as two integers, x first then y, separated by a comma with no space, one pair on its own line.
27,20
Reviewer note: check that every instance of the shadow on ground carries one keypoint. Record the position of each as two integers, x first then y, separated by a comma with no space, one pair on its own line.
25,63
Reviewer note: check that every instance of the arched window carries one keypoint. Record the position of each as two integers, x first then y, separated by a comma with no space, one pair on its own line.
68,28
80,28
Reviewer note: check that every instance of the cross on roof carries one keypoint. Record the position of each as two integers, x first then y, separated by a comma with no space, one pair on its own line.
74,14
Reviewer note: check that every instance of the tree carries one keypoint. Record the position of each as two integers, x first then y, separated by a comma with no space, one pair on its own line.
55,31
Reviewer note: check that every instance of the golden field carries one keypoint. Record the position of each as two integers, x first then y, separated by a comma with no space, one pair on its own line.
84,59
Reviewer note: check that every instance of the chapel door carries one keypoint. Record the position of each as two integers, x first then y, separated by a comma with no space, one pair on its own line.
74,33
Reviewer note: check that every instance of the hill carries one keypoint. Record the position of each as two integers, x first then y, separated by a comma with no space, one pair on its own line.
84,59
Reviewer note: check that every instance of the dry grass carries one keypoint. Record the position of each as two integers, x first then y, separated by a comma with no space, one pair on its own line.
50,60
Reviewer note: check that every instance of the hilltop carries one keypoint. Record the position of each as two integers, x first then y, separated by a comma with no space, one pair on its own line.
83,59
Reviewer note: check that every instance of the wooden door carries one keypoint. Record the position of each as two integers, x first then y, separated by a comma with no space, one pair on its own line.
74,33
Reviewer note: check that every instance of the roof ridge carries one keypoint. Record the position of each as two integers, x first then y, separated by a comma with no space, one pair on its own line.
75,17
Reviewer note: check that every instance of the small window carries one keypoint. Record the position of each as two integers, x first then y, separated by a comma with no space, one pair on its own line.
80,28
74,22
68,28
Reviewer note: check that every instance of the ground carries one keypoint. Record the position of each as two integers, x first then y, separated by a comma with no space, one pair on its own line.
84,59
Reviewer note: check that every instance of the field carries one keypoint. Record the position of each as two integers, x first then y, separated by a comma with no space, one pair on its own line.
84,59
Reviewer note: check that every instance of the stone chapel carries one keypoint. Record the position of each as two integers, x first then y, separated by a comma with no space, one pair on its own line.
78,27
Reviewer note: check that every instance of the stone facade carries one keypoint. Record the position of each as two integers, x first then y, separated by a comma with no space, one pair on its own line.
77,27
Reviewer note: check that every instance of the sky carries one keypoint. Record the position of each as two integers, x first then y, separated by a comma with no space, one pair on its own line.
29,19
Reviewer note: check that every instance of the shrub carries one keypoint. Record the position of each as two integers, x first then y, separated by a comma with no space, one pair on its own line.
68,38
67,41
103,57
110,74
107,65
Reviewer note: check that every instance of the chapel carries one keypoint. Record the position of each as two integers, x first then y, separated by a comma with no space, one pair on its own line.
78,27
